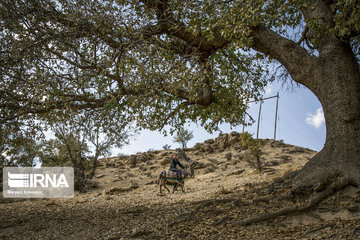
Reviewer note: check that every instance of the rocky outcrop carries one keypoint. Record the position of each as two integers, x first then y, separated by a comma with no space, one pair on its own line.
221,143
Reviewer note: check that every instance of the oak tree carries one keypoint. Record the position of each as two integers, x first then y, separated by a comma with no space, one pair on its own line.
161,62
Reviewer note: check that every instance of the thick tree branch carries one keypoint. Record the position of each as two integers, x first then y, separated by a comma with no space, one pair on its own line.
287,52
303,35
322,19
170,26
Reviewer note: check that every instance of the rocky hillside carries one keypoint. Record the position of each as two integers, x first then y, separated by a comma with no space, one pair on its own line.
125,202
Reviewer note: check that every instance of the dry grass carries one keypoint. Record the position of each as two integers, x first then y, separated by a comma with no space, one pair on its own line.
127,204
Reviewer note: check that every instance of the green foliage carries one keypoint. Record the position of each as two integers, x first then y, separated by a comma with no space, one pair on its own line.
253,145
166,147
183,136
347,20
82,139
17,147
69,61
250,143
147,64
66,152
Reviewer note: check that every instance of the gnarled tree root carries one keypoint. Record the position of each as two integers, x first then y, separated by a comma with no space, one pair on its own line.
335,186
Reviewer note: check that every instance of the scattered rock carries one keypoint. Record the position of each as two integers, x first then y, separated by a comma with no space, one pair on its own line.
223,190
151,182
238,172
212,160
200,165
110,165
81,201
108,198
285,158
117,190
165,161
144,157
276,144
207,148
100,175
198,146
290,151
139,233
228,156
235,161
164,154
133,161
209,141
143,168
117,178
222,141
233,139
129,174
210,168
353,208
242,155
272,163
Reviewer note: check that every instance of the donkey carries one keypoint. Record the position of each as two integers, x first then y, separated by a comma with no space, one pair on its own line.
166,179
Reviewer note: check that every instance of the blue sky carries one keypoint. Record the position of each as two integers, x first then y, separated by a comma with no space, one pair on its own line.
300,122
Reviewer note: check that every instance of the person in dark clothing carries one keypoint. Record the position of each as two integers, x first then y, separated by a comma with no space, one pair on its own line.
173,164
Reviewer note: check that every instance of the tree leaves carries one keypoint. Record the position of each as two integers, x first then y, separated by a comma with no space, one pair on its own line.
156,64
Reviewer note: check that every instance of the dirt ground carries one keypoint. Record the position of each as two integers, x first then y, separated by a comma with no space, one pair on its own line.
127,204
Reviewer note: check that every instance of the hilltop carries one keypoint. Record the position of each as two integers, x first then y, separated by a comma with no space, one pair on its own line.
125,202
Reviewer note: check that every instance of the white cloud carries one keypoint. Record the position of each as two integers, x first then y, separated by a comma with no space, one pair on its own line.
316,120
268,90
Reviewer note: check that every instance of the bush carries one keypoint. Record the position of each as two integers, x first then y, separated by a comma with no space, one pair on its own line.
166,147
253,145
183,136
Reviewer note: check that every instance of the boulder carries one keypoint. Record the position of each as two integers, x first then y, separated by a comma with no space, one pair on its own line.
207,148
144,157
243,154
209,141
276,144
198,146
222,141
233,139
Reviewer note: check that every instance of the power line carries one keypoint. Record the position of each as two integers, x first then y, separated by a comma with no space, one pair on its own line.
259,115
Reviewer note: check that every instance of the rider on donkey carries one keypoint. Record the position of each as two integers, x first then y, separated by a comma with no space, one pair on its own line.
174,162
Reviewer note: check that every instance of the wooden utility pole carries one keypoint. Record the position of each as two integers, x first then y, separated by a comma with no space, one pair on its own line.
276,113
244,122
257,132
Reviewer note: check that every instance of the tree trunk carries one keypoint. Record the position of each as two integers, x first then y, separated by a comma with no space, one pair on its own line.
337,86
94,166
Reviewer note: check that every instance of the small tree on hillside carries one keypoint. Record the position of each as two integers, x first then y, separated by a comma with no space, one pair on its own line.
17,148
166,147
253,145
104,135
81,140
183,136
